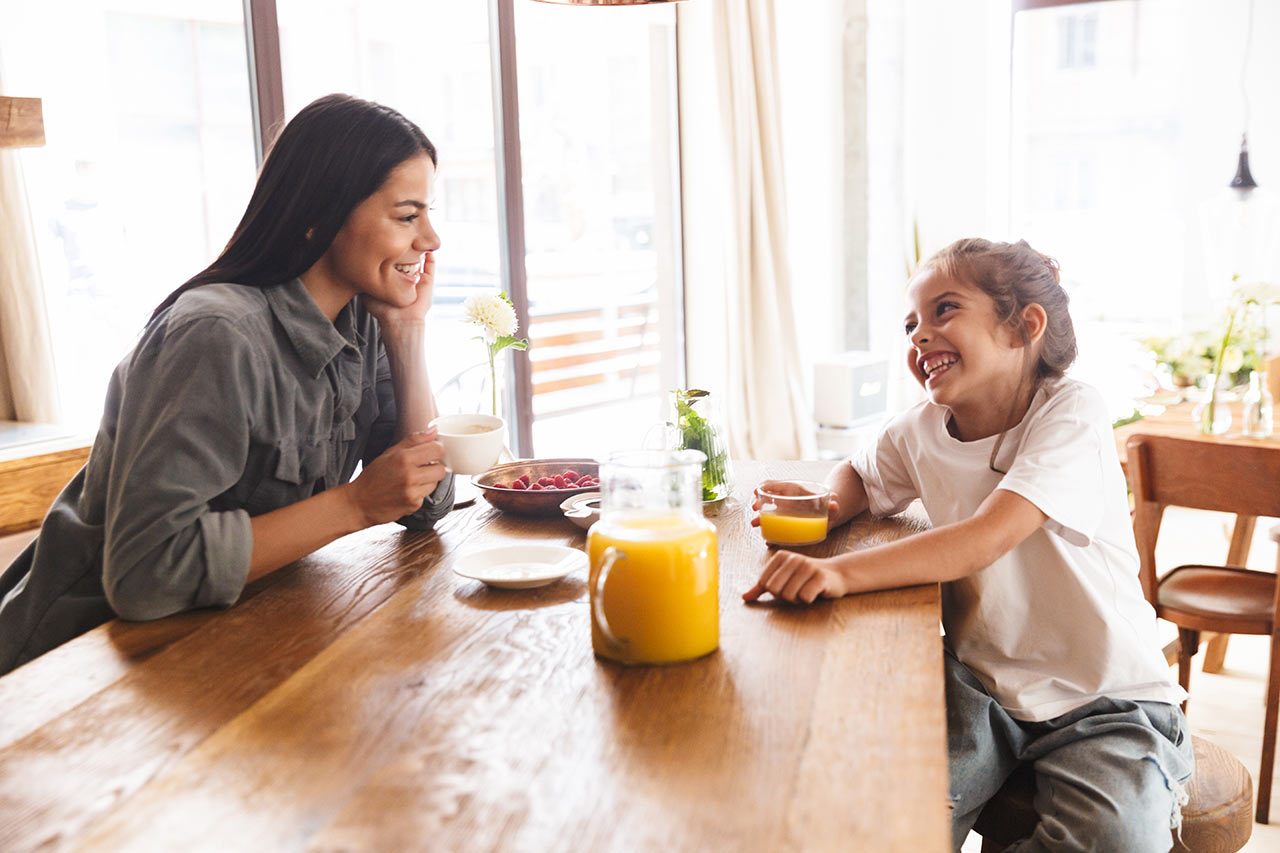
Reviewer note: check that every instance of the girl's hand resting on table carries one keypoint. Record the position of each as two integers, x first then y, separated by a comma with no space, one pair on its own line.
797,578
397,482
783,487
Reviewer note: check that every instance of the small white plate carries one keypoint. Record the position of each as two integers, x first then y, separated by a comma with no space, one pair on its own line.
520,566
583,510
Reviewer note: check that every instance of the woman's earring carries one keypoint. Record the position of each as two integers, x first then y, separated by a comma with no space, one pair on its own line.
311,233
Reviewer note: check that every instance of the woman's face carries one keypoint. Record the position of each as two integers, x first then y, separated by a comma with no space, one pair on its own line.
379,251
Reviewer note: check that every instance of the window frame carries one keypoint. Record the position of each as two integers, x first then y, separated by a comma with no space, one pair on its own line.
262,36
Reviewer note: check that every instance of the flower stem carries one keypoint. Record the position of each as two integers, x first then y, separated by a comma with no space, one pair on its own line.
1217,370
493,381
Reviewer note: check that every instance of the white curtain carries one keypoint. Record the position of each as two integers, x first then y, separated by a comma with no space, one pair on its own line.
28,382
740,325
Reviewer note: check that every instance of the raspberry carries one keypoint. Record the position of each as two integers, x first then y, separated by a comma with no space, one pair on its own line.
546,481
558,481
524,478
519,484
536,487
571,476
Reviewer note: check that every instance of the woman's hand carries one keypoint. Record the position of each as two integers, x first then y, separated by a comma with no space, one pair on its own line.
397,482
795,577
388,315
784,487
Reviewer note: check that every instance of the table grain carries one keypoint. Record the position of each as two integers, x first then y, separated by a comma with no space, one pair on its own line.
367,698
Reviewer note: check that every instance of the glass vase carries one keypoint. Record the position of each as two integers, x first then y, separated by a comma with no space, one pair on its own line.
1257,406
1212,415
699,425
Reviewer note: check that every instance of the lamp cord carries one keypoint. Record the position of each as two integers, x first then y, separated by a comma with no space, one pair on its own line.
1244,68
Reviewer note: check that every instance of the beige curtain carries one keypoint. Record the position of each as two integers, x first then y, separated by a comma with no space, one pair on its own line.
28,383
740,326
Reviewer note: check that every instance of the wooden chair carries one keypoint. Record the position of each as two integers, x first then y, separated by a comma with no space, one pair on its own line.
1222,477
1215,819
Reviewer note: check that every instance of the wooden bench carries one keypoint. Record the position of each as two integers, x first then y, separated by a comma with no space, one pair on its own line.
36,461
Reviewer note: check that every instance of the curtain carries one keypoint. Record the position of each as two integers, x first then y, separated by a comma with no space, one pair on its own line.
28,382
740,324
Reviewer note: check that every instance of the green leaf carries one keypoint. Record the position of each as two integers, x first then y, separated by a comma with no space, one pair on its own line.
509,341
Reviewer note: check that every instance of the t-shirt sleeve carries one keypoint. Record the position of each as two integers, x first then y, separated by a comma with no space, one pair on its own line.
885,473
1061,466
182,439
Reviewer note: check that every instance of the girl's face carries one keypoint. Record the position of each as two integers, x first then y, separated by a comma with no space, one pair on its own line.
380,250
966,359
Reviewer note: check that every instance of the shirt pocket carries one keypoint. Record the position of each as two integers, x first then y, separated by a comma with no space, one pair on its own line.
293,471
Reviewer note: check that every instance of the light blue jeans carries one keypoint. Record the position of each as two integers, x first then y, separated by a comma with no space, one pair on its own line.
1110,775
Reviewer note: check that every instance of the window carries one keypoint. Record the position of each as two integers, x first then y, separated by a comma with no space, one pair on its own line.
440,80
1117,146
596,131
143,175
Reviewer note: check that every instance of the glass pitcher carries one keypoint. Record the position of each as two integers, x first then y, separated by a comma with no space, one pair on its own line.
654,579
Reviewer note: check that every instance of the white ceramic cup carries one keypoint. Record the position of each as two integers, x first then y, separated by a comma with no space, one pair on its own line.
472,443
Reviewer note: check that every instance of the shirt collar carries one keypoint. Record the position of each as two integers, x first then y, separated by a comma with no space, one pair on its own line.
316,339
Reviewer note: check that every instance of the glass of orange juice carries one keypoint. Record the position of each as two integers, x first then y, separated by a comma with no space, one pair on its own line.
793,512
654,577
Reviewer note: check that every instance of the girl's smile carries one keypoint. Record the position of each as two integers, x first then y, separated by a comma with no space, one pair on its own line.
963,355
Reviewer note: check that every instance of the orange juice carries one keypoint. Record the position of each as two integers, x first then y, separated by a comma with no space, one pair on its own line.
661,596
792,529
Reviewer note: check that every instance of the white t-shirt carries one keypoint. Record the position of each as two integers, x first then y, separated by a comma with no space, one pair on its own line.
1060,620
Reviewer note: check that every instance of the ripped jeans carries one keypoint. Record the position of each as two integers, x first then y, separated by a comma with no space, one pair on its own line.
1109,774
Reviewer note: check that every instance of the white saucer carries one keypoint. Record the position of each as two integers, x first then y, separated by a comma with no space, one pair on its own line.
520,566
583,510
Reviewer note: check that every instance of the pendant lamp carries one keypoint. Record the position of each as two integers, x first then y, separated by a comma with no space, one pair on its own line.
608,2
1241,223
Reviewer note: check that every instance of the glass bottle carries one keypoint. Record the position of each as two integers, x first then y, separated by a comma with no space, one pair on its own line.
1257,406
654,577
1212,415
699,425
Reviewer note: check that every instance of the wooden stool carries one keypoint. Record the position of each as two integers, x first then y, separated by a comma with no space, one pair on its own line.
1218,817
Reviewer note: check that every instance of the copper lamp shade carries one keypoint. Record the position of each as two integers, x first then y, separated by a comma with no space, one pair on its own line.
608,2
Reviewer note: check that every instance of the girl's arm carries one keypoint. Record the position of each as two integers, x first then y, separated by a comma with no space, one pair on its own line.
945,553
848,495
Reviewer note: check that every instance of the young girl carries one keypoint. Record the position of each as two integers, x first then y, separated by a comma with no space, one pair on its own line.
232,430
1051,650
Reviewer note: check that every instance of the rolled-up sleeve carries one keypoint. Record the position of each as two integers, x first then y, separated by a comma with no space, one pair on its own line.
183,439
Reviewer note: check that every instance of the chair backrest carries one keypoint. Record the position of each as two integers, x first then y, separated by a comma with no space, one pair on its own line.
1219,476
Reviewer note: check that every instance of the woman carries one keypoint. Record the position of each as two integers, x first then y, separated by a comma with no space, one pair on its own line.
232,430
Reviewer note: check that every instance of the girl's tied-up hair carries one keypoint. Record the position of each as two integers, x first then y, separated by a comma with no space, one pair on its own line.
331,156
1015,275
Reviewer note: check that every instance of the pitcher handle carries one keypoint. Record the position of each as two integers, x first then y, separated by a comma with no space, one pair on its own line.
611,555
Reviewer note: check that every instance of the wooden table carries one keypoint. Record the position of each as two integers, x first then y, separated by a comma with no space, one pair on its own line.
367,698
1176,421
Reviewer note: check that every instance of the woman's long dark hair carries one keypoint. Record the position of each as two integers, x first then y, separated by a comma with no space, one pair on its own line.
333,155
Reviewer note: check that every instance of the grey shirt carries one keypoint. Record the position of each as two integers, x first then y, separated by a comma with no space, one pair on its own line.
236,401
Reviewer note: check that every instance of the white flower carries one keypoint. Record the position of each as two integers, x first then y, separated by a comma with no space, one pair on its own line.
1232,360
493,314
1260,292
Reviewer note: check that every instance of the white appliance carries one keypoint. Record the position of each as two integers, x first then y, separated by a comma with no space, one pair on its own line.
850,399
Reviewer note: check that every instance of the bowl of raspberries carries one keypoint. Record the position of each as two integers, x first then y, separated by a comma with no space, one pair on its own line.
537,486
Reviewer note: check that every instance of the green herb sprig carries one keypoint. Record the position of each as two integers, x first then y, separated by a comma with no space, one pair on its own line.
697,434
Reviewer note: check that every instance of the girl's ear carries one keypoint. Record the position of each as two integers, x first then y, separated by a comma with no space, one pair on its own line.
1034,321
